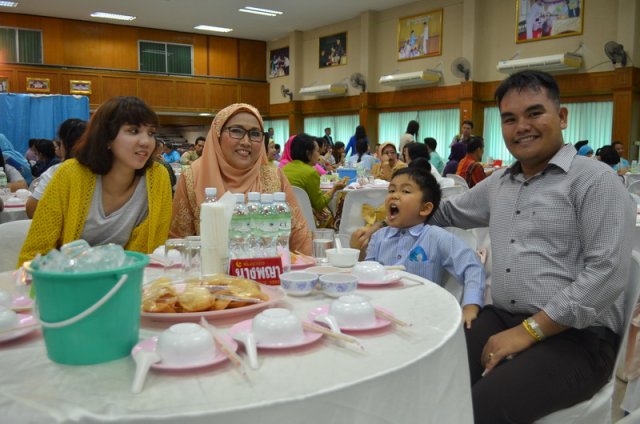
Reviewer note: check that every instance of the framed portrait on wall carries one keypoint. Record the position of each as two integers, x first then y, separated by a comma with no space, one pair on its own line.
79,87
545,19
333,50
4,84
420,35
38,85
279,62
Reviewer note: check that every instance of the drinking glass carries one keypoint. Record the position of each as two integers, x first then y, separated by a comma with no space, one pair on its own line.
322,240
174,257
193,260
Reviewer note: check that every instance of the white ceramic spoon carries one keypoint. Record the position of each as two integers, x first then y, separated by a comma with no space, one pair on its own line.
144,359
249,340
338,244
329,320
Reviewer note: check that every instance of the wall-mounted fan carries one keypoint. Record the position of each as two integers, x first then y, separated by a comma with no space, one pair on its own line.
357,81
286,92
615,52
461,68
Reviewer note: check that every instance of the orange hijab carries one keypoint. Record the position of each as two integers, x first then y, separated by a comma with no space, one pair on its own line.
212,170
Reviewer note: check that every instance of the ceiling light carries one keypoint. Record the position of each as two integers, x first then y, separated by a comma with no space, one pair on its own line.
212,28
106,15
8,3
259,11
205,114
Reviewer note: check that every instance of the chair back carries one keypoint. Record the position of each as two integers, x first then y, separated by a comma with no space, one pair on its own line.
351,218
453,191
597,410
634,188
12,236
305,205
458,180
633,418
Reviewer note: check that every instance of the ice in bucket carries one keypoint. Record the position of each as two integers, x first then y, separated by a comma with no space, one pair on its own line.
78,256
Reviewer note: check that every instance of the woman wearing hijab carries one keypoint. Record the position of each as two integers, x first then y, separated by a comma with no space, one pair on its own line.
286,157
234,159
585,150
458,151
389,162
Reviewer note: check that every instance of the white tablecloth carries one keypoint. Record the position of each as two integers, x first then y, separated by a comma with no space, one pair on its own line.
419,375
13,214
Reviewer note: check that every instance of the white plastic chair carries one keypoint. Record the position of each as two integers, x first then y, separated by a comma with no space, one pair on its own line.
12,236
305,205
449,283
634,188
597,410
351,218
452,191
633,418
458,180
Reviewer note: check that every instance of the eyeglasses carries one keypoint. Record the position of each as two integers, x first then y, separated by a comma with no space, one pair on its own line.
238,133
389,152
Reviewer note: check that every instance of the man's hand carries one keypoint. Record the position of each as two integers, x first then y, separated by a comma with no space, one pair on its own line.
505,344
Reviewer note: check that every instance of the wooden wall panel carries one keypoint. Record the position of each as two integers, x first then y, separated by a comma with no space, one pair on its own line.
251,56
191,95
256,95
113,86
419,98
96,92
222,95
157,92
223,57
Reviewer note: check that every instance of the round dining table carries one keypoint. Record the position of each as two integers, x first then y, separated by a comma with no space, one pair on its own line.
416,374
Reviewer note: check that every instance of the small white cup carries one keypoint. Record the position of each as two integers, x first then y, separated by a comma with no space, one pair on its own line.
277,326
353,311
338,284
345,257
8,319
298,283
185,344
369,272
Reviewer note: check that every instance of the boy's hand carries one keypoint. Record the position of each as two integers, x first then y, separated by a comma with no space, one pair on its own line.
469,313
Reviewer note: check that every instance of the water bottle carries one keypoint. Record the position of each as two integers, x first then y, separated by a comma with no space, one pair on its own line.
253,209
239,230
210,194
267,227
4,185
284,228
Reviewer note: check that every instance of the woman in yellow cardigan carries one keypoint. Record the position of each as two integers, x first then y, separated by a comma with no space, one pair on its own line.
112,192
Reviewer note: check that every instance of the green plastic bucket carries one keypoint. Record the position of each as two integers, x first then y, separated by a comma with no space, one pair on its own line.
92,317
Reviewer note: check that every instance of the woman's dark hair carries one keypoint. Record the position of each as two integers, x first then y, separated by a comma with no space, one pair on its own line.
335,151
431,143
362,146
267,138
419,174
413,127
580,143
2,160
92,150
69,133
46,149
418,150
360,132
529,80
302,146
609,155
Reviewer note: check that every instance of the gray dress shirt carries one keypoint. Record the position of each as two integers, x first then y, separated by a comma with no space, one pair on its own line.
561,240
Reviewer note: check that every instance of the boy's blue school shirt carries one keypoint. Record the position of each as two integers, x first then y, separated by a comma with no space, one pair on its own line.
428,251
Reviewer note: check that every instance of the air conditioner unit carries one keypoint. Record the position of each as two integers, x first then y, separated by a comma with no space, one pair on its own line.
324,90
411,78
553,63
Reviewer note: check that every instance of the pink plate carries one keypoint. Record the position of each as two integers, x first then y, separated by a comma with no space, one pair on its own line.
380,322
25,326
302,265
150,345
246,325
22,303
274,293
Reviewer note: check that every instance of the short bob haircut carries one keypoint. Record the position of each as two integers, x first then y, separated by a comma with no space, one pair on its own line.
302,146
92,150
429,187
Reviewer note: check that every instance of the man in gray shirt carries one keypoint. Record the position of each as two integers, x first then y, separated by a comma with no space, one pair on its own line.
561,228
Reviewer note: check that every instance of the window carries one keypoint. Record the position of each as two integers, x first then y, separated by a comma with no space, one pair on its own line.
165,58
20,45
342,126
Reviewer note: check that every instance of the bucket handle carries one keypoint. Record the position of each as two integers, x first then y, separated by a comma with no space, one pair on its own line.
87,311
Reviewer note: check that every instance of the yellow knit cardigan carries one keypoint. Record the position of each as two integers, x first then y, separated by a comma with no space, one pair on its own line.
63,209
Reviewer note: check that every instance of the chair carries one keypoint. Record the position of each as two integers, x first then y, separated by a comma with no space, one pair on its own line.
351,218
458,180
12,236
449,283
634,188
453,191
597,410
305,205
633,418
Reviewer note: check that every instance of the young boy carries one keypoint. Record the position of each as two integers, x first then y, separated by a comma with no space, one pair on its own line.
425,250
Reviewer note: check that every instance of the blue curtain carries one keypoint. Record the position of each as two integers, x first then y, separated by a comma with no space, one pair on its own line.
26,116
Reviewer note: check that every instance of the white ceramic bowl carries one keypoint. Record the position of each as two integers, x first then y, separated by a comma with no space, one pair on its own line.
8,319
185,344
369,272
12,201
298,283
23,194
277,326
345,257
5,299
353,311
338,284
